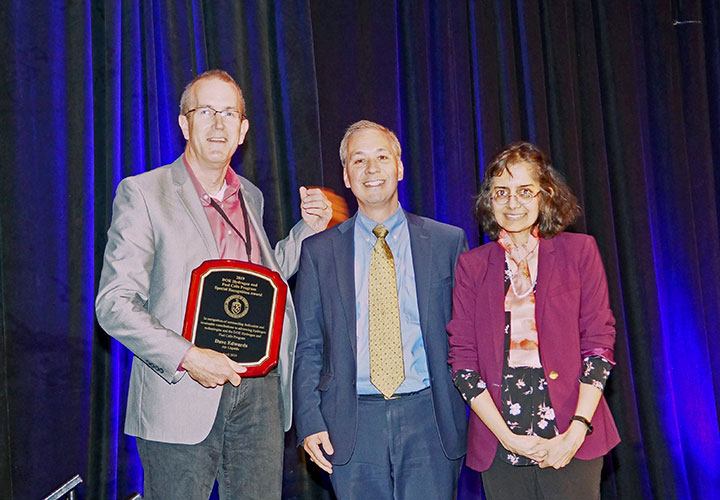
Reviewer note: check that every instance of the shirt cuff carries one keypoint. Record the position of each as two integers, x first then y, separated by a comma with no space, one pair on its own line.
469,383
180,365
596,371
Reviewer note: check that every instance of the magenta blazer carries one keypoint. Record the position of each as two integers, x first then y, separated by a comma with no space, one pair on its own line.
574,320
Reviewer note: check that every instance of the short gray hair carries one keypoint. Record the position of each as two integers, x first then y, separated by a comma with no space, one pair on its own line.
217,74
368,125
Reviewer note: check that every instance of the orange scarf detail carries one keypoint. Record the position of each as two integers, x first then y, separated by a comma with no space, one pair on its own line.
520,300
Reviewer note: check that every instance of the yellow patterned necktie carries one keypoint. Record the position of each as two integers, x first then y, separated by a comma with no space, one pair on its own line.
386,358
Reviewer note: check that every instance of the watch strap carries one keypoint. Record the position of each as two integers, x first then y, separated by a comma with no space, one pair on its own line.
585,421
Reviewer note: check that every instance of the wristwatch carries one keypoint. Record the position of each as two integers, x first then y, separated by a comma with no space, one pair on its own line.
585,421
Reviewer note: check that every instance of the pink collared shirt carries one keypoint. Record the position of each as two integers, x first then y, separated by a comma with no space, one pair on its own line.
230,245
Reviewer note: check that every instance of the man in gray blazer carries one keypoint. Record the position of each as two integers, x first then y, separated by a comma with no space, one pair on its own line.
192,426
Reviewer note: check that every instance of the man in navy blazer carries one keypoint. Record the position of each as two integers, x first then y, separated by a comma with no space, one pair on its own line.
409,444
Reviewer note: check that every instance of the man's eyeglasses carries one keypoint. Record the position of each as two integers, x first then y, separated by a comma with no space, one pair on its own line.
206,113
523,196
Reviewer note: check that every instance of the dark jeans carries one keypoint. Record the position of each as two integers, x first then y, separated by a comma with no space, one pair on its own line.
398,454
579,479
244,450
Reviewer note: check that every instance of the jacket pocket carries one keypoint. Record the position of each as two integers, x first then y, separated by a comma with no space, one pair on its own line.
570,286
325,381
444,282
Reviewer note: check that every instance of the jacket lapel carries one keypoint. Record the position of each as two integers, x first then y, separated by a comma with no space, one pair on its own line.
343,248
421,249
266,252
191,202
494,288
546,266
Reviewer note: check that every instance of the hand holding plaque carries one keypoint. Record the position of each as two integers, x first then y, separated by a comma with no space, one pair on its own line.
237,308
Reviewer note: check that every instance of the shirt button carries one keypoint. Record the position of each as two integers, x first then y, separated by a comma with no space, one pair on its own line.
553,375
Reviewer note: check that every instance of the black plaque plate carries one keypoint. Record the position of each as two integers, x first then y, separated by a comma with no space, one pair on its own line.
237,308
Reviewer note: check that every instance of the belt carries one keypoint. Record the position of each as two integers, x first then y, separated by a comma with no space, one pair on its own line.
394,396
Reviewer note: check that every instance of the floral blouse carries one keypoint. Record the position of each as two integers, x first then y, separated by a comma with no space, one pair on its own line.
526,405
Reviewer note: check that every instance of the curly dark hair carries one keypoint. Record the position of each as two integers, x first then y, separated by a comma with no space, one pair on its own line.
558,206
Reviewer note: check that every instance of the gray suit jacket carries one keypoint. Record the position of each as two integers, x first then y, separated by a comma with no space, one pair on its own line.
159,234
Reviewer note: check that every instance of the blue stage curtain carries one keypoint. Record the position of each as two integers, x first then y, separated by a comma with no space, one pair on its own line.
90,94
625,96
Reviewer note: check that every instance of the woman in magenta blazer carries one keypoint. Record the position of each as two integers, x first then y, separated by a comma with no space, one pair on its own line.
531,337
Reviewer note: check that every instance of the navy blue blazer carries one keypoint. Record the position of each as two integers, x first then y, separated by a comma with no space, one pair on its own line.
324,386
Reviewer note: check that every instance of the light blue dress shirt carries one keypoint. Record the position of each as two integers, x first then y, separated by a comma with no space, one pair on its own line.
398,239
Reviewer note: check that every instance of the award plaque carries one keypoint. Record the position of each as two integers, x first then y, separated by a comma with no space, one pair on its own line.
237,308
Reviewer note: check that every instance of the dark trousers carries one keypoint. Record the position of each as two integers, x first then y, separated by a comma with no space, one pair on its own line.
578,480
397,453
244,450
